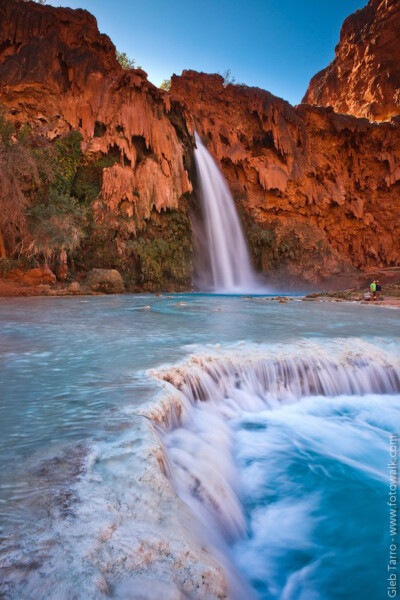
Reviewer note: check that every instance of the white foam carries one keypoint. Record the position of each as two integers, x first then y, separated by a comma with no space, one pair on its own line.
216,388
161,500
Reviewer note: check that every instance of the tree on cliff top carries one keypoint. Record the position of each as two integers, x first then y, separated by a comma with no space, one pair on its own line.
166,85
125,61
229,79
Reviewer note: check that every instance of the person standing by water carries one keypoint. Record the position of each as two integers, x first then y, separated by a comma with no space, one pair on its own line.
378,289
372,289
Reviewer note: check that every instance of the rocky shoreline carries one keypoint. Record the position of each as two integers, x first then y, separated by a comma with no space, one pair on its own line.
390,296
101,282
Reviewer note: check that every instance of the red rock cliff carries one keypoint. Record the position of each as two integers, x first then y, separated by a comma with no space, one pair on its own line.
326,185
364,78
319,192
57,72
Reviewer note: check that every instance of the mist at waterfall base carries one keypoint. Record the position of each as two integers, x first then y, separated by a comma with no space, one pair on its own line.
223,256
274,422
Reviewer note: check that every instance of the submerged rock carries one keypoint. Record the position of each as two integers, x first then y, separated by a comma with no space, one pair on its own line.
108,281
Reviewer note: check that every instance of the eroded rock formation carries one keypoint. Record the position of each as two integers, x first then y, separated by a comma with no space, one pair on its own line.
318,192
326,186
364,78
58,73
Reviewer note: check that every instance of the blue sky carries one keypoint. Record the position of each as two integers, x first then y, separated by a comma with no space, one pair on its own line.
277,45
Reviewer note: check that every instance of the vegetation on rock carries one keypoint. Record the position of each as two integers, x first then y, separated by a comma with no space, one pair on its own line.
47,196
229,79
21,177
124,60
158,256
56,226
166,85
274,246
164,251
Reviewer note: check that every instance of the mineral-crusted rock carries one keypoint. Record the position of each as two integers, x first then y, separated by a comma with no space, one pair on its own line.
318,192
75,287
324,185
58,73
108,281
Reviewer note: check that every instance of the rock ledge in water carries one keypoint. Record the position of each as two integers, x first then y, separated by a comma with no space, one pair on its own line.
108,281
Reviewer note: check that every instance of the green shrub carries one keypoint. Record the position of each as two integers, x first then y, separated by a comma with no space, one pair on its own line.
19,180
261,244
67,160
6,130
166,85
88,180
124,60
9,264
158,256
163,251
57,225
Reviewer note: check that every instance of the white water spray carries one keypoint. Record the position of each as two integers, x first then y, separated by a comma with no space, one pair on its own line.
223,395
230,269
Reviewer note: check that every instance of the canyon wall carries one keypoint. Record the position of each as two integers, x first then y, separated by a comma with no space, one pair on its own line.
58,73
364,77
318,192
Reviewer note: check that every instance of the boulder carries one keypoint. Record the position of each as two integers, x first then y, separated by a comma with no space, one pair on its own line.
38,276
14,275
75,287
107,281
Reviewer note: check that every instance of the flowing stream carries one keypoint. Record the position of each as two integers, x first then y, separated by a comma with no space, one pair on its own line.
282,460
252,466
228,268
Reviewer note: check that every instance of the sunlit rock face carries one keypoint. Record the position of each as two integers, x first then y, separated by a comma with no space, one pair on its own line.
318,192
58,73
324,185
364,78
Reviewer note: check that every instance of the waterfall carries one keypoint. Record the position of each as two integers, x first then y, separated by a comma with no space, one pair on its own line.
265,433
229,268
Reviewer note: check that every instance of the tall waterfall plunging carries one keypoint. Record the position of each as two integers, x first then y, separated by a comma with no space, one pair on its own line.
229,268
